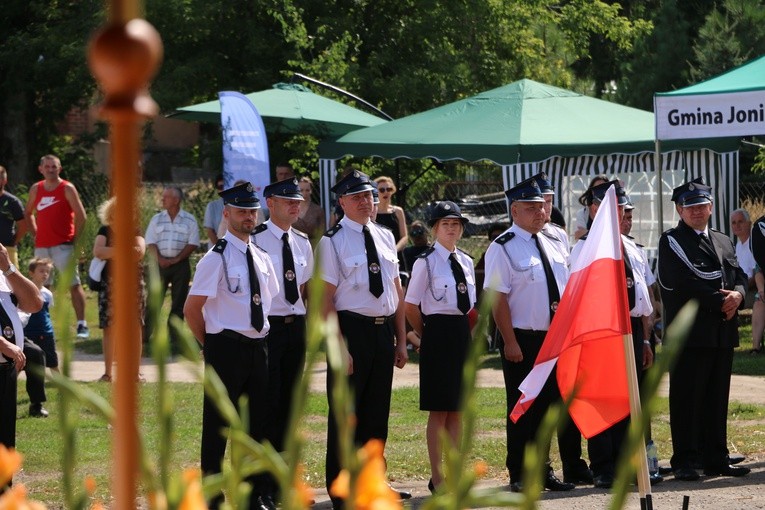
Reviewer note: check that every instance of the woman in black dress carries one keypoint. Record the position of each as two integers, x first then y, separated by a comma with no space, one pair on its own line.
441,292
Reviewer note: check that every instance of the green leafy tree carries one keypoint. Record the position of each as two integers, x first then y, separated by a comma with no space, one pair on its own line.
43,73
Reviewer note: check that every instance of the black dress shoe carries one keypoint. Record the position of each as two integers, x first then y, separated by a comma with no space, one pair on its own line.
404,495
38,411
262,502
553,483
727,471
665,470
735,458
338,504
516,487
604,481
655,478
431,487
686,474
579,477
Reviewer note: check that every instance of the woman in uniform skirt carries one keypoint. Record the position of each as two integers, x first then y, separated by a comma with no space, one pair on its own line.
440,294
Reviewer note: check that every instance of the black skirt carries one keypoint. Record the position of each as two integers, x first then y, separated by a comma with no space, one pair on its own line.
444,347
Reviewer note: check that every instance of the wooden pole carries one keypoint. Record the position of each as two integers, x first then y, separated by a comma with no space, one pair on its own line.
123,57
640,460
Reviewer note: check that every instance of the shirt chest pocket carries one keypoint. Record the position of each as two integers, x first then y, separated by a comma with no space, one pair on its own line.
180,229
442,286
300,267
355,267
237,279
532,269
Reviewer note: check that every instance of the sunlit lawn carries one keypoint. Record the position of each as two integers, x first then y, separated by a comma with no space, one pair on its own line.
40,442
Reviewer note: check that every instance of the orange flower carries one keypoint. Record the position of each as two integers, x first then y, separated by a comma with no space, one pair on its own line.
304,491
193,499
16,499
10,462
90,485
372,489
480,468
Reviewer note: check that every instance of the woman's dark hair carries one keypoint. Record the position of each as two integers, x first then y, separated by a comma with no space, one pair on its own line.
586,197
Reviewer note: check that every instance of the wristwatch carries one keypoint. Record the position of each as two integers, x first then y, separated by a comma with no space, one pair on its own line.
8,272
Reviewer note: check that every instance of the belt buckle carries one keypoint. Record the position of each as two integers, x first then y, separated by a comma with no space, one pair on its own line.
289,319
379,321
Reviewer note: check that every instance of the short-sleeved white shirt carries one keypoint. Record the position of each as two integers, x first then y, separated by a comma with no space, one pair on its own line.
7,303
270,239
343,263
172,235
228,302
436,291
515,268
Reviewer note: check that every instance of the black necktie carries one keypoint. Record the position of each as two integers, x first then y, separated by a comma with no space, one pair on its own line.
256,305
708,242
290,279
373,264
463,300
630,274
553,293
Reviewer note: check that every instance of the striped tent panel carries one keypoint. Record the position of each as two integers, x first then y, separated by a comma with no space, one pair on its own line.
720,170
327,176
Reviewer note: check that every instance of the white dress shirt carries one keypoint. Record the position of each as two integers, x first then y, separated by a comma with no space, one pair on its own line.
437,292
228,299
270,240
343,263
515,268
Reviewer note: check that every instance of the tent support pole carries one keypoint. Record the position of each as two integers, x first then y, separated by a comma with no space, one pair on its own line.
659,187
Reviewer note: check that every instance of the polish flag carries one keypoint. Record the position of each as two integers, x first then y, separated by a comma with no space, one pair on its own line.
585,338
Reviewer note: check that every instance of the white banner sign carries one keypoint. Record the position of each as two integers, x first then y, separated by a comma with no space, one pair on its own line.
710,115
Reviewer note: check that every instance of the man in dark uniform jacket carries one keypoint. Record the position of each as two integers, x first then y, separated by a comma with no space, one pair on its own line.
699,263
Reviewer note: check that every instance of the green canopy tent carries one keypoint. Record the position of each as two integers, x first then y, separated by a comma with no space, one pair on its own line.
730,105
527,127
291,108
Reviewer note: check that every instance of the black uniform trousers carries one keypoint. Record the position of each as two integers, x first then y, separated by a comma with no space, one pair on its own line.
604,448
177,277
286,360
242,365
35,369
699,386
524,431
7,404
371,346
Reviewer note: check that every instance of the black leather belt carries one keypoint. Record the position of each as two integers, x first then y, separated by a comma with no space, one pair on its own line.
283,319
530,332
377,321
233,335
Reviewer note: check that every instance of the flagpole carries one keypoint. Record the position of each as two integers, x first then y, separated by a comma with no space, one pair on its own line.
639,457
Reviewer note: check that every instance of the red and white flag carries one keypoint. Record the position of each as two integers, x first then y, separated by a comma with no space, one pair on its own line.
585,338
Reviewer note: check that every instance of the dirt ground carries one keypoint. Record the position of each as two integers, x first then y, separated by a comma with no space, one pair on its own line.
710,493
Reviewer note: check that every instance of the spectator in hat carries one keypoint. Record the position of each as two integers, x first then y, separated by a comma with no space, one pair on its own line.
438,299
358,263
227,311
528,270
699,263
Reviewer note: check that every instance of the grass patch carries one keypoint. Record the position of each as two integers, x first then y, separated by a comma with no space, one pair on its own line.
40,441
